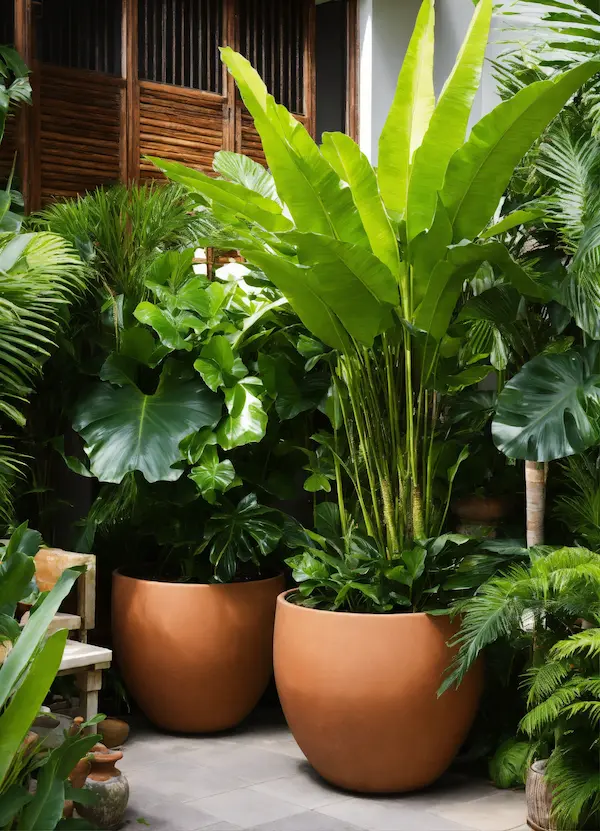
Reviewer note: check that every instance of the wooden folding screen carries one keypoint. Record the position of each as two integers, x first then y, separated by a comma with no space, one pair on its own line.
117,80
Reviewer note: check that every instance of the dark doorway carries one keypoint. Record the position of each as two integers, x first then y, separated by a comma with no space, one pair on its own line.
333,58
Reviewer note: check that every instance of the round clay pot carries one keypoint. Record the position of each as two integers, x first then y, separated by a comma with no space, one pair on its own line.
196,658
359,693
109,786
114,731
481,510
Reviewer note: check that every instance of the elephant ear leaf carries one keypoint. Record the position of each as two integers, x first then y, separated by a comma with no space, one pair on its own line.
126,430
551,408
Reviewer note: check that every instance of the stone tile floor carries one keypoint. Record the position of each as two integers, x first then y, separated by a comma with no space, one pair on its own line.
256,777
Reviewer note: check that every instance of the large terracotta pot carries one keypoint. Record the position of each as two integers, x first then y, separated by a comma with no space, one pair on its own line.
359,693
196,658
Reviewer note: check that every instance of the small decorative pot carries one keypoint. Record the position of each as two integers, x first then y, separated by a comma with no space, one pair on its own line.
539,798
480,516
114,732
109,786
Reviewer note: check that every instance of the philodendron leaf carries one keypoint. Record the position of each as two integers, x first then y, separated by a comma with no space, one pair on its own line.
126,430
551,408
212,476
218,365
164,324
247,420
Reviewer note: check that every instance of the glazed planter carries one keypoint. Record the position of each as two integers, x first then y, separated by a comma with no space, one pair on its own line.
196,658
539,799
109,787
359,693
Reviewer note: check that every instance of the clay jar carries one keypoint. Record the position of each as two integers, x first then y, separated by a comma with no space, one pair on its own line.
359,692
109,786
114,732
195,657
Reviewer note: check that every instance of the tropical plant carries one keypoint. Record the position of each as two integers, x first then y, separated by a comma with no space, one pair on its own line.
30,664
548,410
344,571
374,262
543,612
15,89
205,369
579,507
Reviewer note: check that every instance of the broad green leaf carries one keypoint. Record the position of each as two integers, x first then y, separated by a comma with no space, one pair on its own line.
292,395
247,420
551,408
512,220
292,281
448,126
414,560
427,250
11,803
16,573
212,476
479,172
243,170
25,704
137,343
305,181
33,633
193,447
351,165
238,199
408,119
126,430
163,324
218,365
355,284
445,283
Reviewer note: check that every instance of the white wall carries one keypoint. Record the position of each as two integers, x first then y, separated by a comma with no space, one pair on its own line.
385,30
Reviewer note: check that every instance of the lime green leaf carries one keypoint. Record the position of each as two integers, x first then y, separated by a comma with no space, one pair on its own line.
448,125
243,170
218,365
479,172
408,119
353,167
292,281
512,220
163,324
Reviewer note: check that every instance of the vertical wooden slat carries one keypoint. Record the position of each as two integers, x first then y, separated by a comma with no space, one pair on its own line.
130,128
352,60
28,129
231,37
310,82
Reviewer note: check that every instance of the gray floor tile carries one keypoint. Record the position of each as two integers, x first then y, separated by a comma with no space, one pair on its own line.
309,821
173,816
223,826
246,807
388,815
499,811
254,764
304,788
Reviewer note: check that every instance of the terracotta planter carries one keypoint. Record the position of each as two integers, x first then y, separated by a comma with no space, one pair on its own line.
114,732
480,514
196,658
539,799
359,693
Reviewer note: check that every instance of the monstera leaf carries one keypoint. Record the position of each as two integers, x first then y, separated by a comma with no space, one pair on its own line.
126,430
551,409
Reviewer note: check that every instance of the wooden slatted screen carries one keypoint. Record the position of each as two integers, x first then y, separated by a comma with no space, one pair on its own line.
116,80
274,37
81,131
80,117
182,108
9,143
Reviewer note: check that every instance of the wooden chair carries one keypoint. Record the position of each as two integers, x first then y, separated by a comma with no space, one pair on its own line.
80,658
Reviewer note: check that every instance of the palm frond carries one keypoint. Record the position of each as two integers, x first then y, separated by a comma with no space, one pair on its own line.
585,644
543,680
574,776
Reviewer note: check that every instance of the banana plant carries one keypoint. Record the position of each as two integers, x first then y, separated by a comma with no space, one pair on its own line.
374,260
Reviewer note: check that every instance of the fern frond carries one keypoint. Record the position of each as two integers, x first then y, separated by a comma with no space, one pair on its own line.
575,779
548,711
544,679
585,644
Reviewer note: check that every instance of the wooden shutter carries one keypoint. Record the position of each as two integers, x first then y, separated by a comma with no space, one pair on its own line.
183,108
81,110
277,39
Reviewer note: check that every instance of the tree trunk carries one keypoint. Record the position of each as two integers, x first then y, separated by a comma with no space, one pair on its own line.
535,495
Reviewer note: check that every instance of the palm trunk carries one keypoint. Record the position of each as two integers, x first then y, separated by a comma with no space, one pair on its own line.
535,496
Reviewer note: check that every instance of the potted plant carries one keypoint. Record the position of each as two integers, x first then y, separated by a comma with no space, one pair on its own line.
374,263
168,429
548,610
